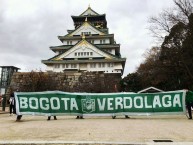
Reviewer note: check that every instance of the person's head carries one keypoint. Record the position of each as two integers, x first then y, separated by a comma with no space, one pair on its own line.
12,94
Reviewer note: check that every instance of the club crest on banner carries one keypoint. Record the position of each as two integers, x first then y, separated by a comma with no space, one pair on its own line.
88,105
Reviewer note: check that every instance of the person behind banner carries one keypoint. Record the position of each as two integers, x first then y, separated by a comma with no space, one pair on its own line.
18,116
79,117
189,102
12,104
49,117
1,99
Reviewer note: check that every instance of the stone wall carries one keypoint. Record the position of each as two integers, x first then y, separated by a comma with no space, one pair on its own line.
68,82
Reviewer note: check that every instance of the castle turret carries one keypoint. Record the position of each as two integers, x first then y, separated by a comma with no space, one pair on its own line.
89,47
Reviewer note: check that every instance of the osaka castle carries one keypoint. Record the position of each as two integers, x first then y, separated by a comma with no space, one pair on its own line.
87,48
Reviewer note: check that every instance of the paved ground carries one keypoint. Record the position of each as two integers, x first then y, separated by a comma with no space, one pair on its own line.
67,129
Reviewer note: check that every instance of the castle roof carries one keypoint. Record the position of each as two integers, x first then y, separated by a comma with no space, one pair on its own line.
108,55
89,11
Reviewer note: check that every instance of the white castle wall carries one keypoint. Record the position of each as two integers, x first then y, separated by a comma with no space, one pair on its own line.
90,67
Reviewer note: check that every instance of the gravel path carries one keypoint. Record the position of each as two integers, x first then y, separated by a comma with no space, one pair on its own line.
96,129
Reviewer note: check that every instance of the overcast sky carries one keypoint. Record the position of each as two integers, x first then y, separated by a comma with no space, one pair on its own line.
29,27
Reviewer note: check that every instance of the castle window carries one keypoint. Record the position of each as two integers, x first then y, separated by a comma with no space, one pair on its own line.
102,41
101,65
83,53
110,64
73,65
92,65
57,65
69,42
86,33
65,66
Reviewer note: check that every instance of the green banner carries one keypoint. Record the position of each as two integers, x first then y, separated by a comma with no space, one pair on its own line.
101,104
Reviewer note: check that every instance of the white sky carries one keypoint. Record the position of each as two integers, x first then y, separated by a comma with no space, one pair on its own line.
29,27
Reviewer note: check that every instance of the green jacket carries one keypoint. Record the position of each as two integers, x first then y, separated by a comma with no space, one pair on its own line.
189,97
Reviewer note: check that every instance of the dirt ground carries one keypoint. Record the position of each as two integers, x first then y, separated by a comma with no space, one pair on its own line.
96,129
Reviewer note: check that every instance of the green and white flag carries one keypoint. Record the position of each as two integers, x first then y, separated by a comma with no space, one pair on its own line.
100,104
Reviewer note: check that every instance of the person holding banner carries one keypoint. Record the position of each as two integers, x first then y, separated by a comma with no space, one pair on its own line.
19,117
49,117
189,102
1,99
79,117
12,104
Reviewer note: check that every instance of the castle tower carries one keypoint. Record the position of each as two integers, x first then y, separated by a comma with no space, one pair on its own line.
89,47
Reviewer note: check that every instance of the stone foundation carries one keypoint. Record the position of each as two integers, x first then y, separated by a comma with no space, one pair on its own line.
67,82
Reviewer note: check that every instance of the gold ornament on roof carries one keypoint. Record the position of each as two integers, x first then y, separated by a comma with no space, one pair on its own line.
83,36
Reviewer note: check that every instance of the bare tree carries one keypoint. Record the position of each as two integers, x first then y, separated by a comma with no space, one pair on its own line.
184,7
161,25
